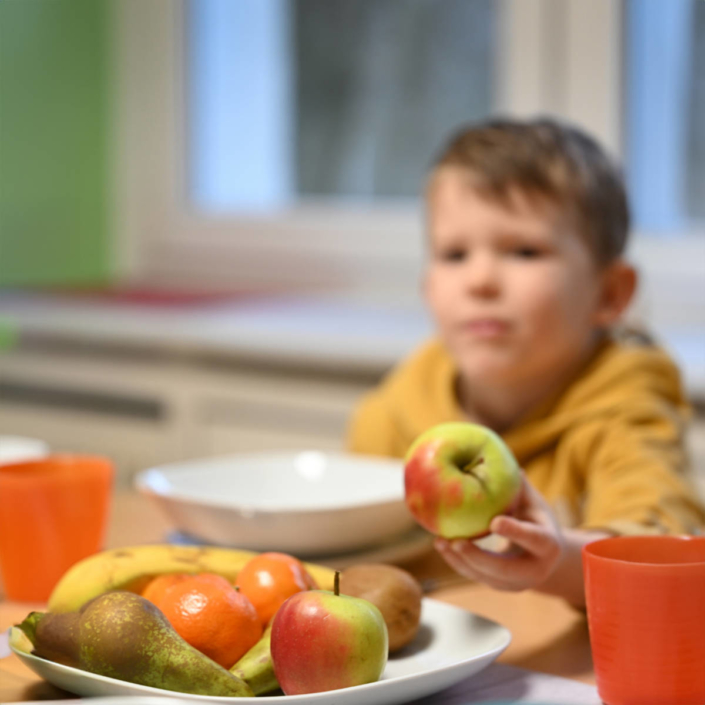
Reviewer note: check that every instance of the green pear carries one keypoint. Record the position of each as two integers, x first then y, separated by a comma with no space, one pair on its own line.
121,635
256,667
58,636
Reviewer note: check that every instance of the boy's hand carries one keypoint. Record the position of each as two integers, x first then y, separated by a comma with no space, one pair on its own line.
536,546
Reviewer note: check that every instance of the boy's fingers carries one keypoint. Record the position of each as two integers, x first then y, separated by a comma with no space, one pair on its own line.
462,556
457,562
469,570
490,565
497,571
533,538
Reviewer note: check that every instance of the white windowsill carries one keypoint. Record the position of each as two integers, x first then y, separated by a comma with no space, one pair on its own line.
343,335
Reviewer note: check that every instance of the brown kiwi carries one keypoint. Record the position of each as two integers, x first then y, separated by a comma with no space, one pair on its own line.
394,591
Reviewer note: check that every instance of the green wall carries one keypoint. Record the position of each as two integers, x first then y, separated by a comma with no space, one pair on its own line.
54,93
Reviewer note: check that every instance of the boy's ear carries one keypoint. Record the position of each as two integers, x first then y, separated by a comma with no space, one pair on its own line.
619,282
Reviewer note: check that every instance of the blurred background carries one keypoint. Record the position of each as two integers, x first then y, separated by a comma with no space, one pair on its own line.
211,232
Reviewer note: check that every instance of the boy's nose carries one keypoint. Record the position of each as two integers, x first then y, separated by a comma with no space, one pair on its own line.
482,275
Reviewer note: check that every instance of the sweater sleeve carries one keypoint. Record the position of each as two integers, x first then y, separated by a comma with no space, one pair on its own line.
635,481
415,395
372,431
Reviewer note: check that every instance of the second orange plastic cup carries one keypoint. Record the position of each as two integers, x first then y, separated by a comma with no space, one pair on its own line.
646,616
53,513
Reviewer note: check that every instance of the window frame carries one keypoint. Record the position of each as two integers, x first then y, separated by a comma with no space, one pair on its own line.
545,62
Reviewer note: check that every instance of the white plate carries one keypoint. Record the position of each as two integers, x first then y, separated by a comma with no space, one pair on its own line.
452,644
306,503
402,549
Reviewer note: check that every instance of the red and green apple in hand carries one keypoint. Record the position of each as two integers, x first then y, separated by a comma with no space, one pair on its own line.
458,477
323,640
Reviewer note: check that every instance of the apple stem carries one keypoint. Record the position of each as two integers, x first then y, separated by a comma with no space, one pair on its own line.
478,459
470,467
473,464
336,583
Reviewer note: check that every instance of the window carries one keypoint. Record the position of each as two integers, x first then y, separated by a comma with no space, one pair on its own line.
665,115
296,99
282,143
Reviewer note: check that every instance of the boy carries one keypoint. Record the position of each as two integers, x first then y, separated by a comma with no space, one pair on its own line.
526,280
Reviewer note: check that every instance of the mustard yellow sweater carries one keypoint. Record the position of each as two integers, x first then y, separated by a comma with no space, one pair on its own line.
606,453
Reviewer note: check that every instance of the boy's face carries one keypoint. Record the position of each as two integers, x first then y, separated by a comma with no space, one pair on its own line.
515,294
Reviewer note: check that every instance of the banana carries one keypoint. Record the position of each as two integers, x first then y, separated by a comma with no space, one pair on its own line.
131,568
256,667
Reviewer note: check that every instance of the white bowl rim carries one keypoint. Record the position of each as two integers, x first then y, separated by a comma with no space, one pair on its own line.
18,449
143,485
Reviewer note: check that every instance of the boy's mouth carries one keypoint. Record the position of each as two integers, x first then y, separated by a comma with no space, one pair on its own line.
486,328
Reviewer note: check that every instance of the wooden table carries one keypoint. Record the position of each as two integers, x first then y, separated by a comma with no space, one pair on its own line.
547,635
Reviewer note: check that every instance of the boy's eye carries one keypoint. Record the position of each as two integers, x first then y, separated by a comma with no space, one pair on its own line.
527,252
453,254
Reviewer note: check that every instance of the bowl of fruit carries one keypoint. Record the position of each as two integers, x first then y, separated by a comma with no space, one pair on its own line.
308,503
210,624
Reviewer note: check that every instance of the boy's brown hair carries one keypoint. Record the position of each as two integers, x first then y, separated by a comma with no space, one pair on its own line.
548,161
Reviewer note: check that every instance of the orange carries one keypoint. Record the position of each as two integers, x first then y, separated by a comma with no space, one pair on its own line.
157,587
212,616
269,579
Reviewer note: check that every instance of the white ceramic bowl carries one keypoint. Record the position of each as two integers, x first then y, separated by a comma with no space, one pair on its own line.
18,449
304,503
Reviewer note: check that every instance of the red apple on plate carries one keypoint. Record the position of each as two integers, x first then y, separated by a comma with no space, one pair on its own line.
323,640
458,477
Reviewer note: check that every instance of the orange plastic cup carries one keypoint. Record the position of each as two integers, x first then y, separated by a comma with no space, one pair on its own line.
646,616
53,513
